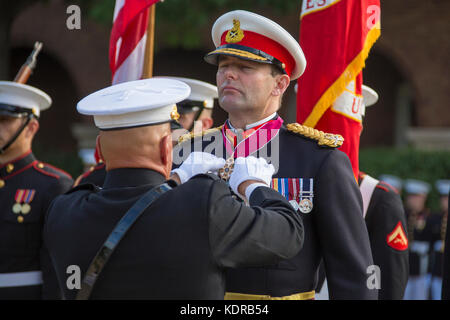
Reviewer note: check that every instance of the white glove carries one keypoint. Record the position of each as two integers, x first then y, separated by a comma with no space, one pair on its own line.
196,163
250,168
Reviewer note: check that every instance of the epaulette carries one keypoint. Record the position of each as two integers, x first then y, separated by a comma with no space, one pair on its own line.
323,139
85,186
191,135
50,170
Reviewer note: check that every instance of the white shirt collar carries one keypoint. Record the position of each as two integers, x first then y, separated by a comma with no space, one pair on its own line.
252,125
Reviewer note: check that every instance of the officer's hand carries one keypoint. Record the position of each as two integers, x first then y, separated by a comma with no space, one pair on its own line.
250,168
197,163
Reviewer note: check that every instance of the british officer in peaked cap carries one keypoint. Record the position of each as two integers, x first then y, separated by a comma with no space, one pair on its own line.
256,61
27,187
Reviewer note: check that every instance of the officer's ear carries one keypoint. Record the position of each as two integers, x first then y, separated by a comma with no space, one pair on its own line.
281,83
32,128
166,153
207,123
98,147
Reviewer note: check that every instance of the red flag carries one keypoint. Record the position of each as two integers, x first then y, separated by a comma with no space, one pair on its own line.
128,38
336,37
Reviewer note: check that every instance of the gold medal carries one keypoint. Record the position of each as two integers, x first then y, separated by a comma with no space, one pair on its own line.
26,208
17,208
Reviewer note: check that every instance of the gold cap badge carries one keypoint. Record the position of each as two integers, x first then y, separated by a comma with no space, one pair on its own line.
174,115
235,34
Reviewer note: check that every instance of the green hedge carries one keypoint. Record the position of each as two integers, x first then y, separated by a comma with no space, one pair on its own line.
408,163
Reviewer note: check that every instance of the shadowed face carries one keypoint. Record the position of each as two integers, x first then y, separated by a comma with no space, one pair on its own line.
444,203
416,202
244,85
186,119
8,128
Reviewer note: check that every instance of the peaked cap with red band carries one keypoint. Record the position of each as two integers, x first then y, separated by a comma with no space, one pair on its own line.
249,36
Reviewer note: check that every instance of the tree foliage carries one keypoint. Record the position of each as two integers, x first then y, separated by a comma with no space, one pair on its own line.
184,20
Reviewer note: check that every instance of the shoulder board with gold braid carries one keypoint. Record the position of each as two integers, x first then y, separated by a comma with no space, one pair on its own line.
323,139
191,135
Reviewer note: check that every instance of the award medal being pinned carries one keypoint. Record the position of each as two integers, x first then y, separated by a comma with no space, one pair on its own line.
245,143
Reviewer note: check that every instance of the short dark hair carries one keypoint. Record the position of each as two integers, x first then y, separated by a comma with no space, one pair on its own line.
275,70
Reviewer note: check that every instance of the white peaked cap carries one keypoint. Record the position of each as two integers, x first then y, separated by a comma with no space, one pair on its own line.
134,103
24,96
200,90
370,96
443,187
247,35
413,186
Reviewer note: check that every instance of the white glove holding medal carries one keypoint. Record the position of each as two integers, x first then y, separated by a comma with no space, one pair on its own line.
197,163
251,168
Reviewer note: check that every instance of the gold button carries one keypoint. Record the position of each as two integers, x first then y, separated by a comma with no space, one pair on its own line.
2,183
9,167
91,168
20,219
40,165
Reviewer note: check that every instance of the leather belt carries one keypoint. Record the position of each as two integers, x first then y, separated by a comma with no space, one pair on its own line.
243,296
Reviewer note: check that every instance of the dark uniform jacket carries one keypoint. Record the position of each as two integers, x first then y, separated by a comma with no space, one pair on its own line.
386,223
180,245
27,187
437,223
420,239
95,175
446,263
334,229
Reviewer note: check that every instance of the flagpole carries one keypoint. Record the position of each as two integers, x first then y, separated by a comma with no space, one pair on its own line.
149,45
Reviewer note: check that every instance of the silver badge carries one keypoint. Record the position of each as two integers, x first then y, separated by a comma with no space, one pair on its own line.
305,205
306,195
294,204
